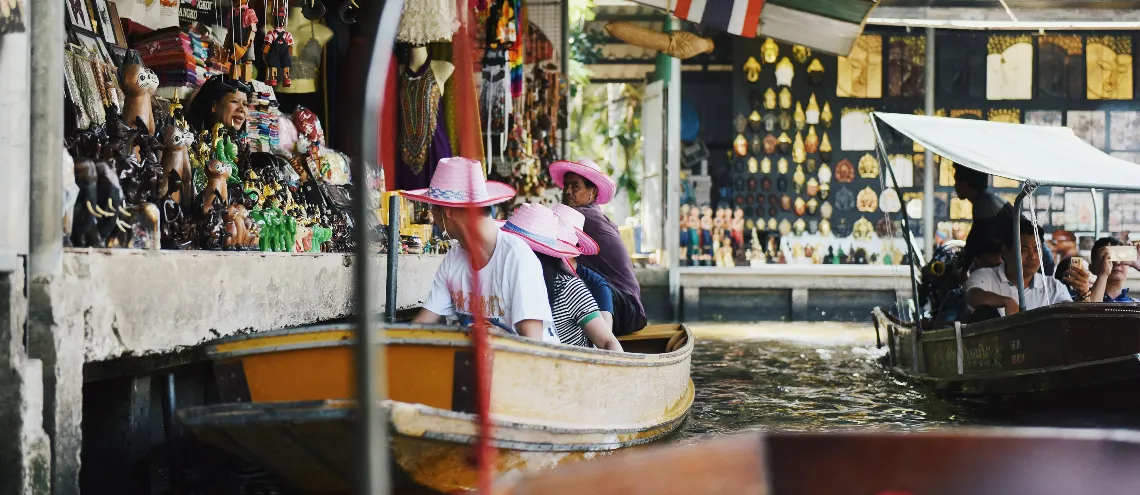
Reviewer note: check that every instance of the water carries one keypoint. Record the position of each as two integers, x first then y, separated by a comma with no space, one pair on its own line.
827,377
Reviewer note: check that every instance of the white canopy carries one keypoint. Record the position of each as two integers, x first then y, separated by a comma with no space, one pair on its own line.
1049,155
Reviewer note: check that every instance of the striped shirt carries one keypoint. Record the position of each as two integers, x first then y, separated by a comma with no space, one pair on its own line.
574,307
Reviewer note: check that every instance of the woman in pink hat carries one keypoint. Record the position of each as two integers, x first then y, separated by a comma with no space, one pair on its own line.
584,187
573,220
577,319
512,294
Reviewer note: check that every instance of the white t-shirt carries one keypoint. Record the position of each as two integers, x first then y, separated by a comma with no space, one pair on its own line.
511,286
1042,291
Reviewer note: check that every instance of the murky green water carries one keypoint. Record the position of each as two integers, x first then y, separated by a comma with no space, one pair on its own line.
813,377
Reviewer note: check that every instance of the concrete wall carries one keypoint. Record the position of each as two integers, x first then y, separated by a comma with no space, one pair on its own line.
127,302
14,141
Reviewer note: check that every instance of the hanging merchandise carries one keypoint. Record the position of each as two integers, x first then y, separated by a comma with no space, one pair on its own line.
785,99
815,73
309,39
770,143
856,130
863,230
907,66
1109,62
243,26
1007,115
770,99
811,142
756,144
801,53
824,174
869,166
766,165
903,169
799,154
770,51
740,123
752,70
785,72
279,50
825,116
754,121
799,118
1009,67
844,171
753,165
860,74
889,201
867,201
799,207
825,210
785,143
798,179
825,149
1060,74
811,116
740,145
782,166
423,139
845,199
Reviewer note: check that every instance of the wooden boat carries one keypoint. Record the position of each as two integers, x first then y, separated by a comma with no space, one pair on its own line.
975,462
287,401
1066,353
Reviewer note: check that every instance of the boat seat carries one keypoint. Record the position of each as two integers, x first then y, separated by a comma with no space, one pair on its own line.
654,339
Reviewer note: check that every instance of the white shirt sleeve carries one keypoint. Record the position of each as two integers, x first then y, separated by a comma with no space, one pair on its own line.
528,289
439,299
1060,292
984,279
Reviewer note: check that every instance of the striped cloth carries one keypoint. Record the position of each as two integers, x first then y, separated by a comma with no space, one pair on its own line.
574,306
739,17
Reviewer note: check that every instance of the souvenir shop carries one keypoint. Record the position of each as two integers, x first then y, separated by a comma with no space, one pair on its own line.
797,178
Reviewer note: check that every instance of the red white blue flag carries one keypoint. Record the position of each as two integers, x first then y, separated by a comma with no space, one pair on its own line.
739,17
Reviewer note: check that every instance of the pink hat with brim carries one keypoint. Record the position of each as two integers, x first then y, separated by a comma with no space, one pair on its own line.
575,220
539,228
589,171
459,182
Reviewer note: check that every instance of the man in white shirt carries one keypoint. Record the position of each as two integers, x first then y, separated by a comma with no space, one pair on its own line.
512,292
993,287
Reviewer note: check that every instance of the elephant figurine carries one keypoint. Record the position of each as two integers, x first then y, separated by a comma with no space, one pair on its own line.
321,235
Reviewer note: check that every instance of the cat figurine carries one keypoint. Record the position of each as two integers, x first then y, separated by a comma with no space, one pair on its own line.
217,172
176,159
140,85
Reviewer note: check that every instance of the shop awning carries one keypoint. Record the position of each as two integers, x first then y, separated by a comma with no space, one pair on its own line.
1051,156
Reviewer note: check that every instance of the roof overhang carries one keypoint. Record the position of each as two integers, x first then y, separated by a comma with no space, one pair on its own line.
1000,19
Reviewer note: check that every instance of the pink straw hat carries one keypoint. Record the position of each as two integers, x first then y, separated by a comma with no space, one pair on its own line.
538,226
576,220
459,182
589,171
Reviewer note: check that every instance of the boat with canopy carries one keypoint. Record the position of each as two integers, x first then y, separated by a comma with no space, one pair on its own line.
1061,353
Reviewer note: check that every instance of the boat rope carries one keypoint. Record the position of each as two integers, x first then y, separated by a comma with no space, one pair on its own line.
480,330
1031,199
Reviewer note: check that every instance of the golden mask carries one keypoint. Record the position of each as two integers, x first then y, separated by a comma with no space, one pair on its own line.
799,226
812,187
772,224
863,230
815,66
740,145
860,74
785,143
812,113
825,115
824,173
868,166
798,117
811,143
785,99
798,179
770,99
825,210
825,227
785,72
754,118
801,53
825,148
785,227
812,204
766,165
799,154
1109,68
770,51
867,201
800,207
782,166
753,165
752,70
824,190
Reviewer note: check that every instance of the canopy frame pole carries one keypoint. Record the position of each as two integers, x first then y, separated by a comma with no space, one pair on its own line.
928,156
909,245
1027,188
1096,214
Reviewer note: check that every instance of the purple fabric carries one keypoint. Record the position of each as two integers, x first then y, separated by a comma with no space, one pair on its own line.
612,260
440,149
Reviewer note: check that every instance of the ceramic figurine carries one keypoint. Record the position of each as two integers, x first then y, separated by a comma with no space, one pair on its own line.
85,219
217,173
116,232
738,226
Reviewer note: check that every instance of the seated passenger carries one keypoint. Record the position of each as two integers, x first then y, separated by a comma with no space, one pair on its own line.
584,187
577,320
993,287
1112,273
597,284
511,293
954,307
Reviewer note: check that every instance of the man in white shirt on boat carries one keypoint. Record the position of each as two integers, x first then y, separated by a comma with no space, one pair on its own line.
992,287
512,292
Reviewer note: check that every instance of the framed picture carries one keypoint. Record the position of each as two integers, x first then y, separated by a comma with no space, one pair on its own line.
78,15
103,16
93,44
117,24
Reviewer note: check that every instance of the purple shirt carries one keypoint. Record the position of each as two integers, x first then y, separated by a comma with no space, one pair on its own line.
612,260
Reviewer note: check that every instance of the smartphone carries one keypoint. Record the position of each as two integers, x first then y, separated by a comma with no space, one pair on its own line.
1122,254
1077,262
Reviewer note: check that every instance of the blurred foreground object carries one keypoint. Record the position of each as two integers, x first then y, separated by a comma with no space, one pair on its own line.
679,44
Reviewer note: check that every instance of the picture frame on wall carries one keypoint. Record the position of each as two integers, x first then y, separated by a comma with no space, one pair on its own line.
117,24
106,25
77,14
93,43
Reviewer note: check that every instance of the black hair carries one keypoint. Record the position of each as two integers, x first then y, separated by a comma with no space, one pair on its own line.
989,245
977,181
1026,229
1103,242
551,267
200,110
1062,269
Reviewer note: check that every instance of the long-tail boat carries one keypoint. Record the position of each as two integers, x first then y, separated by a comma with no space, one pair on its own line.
287,401
1072,353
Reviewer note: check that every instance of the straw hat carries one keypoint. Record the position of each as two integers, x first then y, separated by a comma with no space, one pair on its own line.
576,220
459,182
538,226
589,171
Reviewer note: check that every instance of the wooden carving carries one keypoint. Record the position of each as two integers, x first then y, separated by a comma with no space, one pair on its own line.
140,84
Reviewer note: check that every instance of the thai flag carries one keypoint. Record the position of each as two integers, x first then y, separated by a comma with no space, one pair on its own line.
739,17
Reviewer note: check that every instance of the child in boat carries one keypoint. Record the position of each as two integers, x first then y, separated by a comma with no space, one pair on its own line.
599,287
577,320
993,287
511,292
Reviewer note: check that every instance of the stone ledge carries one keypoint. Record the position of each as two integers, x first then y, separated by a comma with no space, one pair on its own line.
131,302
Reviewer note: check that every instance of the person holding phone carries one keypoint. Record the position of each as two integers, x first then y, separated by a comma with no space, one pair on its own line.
1111,273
